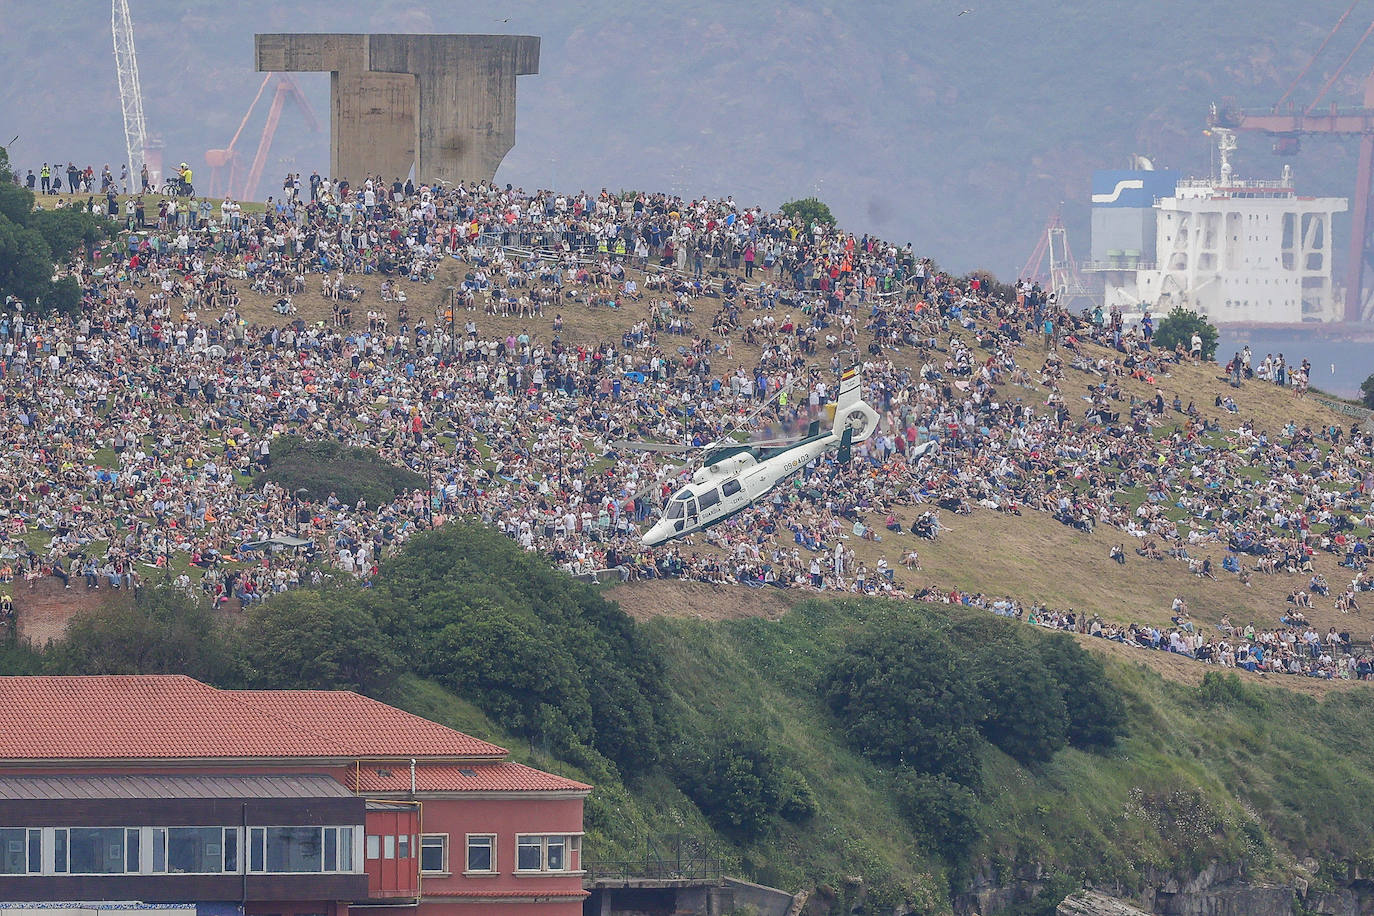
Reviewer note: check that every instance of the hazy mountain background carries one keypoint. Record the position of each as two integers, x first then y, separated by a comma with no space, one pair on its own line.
961,134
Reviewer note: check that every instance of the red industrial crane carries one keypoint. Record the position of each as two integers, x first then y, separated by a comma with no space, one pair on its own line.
236,183
1287,124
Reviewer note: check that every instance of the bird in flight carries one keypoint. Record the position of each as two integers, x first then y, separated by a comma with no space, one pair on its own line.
507,19
962,12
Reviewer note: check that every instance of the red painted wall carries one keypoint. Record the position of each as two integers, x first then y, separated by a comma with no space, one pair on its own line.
392,861
504,892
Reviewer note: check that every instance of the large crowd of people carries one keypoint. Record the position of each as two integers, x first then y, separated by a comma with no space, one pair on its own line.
132,429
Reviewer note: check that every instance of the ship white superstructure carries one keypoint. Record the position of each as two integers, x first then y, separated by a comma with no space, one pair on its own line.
1234,250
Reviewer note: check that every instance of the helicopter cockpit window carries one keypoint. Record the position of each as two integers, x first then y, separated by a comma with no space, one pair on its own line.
730,487
675,509
708,499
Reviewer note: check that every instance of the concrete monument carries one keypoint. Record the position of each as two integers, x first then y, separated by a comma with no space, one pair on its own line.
443,104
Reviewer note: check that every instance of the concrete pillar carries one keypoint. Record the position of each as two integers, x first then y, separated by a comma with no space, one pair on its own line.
444,104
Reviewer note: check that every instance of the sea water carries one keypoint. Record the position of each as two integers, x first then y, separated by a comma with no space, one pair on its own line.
1338,366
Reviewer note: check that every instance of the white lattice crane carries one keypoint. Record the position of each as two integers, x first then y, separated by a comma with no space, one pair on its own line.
130,93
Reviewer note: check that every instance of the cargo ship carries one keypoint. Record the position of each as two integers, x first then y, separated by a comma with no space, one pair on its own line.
1236,250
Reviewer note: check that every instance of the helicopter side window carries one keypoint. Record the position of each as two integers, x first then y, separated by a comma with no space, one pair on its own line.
730,487
675,509
708,499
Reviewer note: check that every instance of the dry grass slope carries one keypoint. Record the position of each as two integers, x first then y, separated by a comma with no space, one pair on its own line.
1030,557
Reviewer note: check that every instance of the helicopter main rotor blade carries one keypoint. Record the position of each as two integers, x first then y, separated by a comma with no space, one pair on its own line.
665,447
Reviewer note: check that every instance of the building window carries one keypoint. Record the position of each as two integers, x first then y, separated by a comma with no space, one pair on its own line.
294,850
338,849
555,853
529,853
374,846
481,853
14,846
95,850
198,851
434,853
131,850
257,849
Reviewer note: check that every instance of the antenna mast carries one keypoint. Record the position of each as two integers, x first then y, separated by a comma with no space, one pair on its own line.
130,93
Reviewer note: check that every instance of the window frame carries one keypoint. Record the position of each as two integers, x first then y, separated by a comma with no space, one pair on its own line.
570,842
344,839
159,864
443,869
67,865
25,848
492,847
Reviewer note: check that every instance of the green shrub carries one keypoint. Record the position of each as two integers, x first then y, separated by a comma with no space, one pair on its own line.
309,640
1178,327
942,813
1096,709
162,632
317,469
1026,716
1226,690
477,613
809,210
904,696
799,802
737,782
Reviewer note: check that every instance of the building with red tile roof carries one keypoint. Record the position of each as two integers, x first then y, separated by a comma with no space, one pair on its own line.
165,790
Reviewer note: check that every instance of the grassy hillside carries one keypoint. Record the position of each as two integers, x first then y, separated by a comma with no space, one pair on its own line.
1251,777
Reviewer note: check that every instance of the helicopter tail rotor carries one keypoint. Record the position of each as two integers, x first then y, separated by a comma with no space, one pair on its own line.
852,415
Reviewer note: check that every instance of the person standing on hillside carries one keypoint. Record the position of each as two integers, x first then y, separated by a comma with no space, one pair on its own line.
45,178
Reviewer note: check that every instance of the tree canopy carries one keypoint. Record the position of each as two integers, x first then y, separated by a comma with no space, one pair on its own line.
809,210
1178,327
33,242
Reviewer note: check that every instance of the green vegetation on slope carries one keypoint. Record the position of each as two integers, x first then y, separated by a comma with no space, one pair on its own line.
815,748
32,241
318,468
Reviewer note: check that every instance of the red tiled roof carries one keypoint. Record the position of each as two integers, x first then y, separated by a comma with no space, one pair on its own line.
479,777
160,717
369,728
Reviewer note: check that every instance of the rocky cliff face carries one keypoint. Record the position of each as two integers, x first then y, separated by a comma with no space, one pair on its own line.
1218,890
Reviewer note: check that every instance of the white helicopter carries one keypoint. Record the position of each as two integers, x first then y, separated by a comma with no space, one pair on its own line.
734,477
